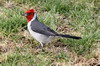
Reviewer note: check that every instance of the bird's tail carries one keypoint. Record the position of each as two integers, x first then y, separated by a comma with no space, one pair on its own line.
69,36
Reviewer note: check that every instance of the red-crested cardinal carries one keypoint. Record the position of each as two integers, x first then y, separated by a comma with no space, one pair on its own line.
39,31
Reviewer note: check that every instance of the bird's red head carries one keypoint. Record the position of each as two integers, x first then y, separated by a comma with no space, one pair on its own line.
29,14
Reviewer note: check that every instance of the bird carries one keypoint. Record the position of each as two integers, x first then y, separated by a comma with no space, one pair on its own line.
41,32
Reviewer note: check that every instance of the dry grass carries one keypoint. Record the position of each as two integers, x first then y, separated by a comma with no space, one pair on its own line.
7,47
18,48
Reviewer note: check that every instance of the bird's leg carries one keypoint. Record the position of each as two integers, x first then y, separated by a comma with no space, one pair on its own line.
41,45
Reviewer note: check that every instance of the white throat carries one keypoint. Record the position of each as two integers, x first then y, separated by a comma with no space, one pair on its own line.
35,15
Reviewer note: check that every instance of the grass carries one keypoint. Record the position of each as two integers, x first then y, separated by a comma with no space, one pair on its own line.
80,18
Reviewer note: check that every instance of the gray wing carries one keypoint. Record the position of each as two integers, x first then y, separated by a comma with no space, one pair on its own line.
42,29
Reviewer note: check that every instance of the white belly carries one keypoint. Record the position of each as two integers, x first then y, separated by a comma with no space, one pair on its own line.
39,37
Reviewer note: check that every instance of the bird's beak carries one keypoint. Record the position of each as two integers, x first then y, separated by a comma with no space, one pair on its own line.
24,14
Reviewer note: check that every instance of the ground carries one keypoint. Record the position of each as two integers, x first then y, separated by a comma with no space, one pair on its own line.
74,17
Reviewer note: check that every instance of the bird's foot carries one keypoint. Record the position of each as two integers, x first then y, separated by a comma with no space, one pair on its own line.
39,47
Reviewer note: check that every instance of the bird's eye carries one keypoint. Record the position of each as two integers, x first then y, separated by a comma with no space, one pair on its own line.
29,13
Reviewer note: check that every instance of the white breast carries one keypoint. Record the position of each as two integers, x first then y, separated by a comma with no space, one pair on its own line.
39,37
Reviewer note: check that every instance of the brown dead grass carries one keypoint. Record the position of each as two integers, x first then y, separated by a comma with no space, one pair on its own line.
7,47
9,4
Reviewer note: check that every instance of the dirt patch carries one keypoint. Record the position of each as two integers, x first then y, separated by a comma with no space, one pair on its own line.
8,46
